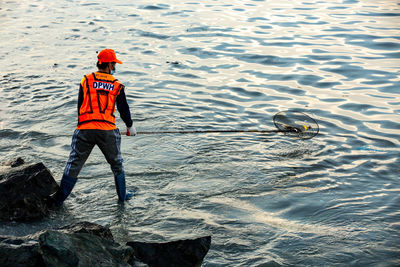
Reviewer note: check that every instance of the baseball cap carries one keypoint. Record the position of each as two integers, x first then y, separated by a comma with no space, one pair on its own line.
107,55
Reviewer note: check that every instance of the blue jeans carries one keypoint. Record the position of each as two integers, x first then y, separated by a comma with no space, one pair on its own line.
83,141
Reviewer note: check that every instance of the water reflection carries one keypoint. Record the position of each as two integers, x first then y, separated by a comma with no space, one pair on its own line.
219,65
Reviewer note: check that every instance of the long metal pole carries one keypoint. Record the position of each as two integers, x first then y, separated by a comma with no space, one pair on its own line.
214,131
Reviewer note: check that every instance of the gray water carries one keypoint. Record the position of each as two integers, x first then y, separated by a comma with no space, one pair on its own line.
329,201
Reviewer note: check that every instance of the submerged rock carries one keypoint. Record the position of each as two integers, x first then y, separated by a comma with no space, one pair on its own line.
89,244
270,264
176,253
82,249
14,162
23,192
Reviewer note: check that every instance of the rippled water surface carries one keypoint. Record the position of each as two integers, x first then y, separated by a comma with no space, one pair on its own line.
329,201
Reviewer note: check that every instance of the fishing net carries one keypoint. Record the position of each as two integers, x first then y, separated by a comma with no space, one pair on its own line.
296,124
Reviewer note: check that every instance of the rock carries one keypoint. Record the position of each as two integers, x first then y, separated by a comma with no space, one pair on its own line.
177,253
24,251
82,249
14,162
23,192
89,244
88,228
270,264
19,252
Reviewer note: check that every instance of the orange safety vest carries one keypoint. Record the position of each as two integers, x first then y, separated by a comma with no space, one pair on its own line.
100,91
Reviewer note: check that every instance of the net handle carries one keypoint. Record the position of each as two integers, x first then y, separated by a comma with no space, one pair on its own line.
213,131
300,131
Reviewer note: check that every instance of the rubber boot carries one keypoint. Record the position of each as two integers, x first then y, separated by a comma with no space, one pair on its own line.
66,186
121,188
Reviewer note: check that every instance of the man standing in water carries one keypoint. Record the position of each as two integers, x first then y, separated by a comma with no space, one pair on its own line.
99,92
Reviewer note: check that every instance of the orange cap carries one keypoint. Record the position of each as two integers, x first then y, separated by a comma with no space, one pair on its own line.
108,55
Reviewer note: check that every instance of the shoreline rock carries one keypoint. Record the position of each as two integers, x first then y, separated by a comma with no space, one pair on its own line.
190,252
90,244
81,249
16,162
24,190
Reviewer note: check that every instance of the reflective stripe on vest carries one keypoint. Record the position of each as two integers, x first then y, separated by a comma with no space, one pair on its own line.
100,91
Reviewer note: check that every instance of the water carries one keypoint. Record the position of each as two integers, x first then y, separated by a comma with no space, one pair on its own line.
329,201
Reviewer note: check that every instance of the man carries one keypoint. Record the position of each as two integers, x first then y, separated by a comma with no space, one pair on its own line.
99,93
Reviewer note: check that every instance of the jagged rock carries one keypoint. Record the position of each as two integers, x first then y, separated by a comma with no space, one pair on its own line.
14,162
24,251
89,244
81,249
270,264
88,228
19,252
176,253
23,192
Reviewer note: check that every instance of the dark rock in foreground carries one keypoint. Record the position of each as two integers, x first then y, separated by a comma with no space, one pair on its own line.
88,244
25,251
81,249
177,253
23,191
88,228
20,252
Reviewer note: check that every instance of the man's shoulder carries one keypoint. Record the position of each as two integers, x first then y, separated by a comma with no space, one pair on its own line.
91,74
104,77
86,76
